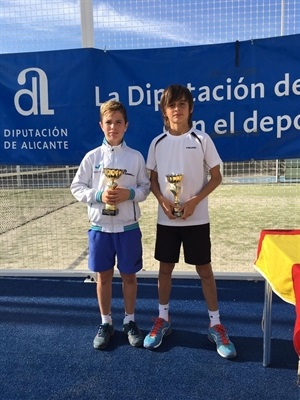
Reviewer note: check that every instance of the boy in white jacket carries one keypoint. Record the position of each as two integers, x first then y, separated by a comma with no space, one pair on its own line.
114,213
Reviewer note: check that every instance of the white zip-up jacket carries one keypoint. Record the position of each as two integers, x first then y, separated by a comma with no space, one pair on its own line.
90,182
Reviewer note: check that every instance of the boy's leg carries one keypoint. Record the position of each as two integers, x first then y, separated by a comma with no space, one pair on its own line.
167,250
104,295
216,331
129,250
165,282
208,286
130,328
162,324
104,291
167,247
129,287
102,260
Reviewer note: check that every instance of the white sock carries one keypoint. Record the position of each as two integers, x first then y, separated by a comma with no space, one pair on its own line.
128,318
163,311
214,317
106,319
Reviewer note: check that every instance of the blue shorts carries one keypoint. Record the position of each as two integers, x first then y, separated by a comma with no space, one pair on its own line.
105,248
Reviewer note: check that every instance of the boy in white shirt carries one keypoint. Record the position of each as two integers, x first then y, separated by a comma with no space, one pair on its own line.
183,150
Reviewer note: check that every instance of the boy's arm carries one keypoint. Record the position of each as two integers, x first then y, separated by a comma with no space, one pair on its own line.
154,185
165,203
212,184
143,183
214,181
81,187
137,193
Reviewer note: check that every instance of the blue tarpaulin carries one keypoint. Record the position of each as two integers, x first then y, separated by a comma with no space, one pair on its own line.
246,97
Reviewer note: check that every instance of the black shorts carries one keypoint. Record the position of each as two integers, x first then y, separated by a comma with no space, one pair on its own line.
194,239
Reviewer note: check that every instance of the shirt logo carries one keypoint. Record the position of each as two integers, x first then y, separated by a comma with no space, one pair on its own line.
97,168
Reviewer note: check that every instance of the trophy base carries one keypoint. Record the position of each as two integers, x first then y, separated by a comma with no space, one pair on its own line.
177,214
110,212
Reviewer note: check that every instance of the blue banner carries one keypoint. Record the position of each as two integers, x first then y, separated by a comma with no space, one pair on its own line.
246,97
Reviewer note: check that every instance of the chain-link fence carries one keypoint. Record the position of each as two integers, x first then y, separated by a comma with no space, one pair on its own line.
43,228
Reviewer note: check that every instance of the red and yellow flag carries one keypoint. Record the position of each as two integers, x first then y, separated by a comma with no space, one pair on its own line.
278,260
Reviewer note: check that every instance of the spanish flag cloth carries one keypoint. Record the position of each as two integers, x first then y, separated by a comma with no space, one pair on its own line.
278,261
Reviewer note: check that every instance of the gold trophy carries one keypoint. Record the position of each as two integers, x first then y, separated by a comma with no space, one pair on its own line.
113,174
174,181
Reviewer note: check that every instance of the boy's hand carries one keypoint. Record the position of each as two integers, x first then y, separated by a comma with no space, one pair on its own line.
167,207
115,196
188,208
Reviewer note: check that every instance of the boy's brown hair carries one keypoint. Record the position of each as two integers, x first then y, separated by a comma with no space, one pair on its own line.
112,106
172,94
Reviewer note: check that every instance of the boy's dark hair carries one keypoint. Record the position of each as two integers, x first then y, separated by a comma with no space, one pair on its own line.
172,94
112,106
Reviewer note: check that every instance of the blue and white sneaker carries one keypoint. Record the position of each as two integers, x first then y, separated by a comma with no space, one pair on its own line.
219,336
160,329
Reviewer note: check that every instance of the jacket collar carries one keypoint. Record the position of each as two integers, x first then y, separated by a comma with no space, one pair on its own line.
119,146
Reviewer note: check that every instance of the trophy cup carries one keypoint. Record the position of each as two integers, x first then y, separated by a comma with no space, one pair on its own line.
113,174
174,181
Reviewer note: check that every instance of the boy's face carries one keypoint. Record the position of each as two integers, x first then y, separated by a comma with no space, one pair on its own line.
114,127
178,112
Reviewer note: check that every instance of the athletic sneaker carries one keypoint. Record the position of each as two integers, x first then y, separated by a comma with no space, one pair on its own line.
219,336
135,336
104,333
160,329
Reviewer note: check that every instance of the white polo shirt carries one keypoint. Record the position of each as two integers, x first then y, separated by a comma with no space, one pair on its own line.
192,154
